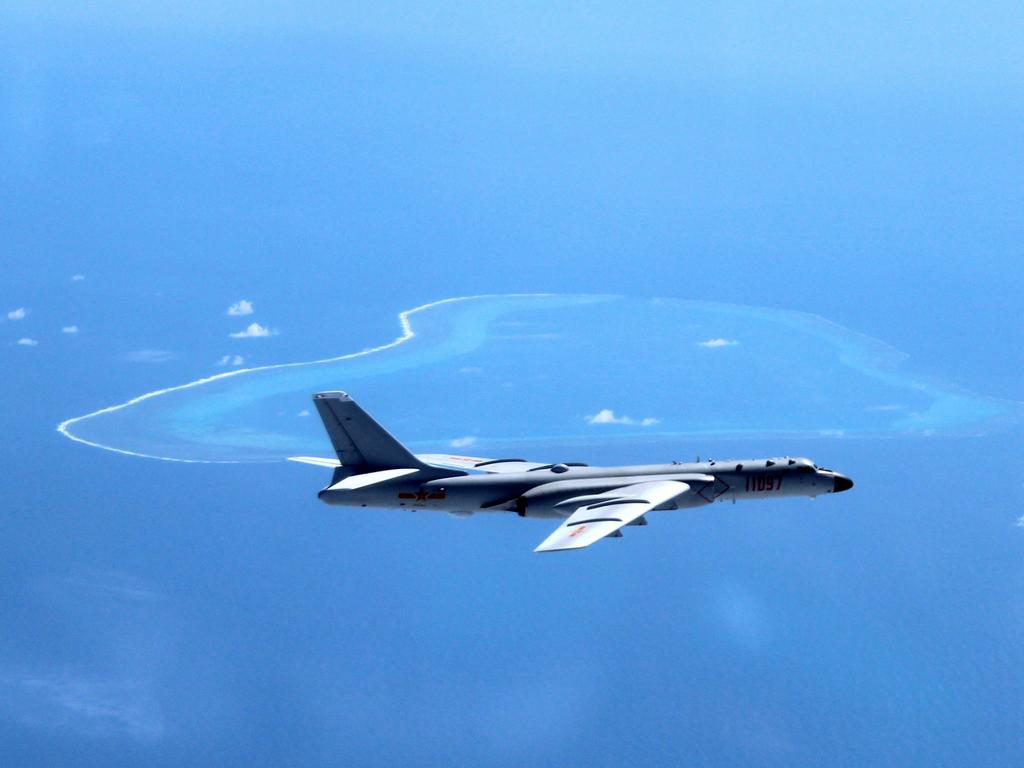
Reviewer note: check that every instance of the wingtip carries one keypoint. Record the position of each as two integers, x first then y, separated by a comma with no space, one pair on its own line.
549,548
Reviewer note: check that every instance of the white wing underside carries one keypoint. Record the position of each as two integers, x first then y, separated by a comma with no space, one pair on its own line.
601,514
475,463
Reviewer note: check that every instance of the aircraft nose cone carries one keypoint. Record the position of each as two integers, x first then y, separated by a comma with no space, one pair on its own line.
842,484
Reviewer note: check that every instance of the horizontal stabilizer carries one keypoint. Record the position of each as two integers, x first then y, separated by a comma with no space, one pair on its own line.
370,478
316,461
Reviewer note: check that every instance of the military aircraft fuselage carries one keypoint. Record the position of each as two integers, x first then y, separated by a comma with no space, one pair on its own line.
539,491
373,469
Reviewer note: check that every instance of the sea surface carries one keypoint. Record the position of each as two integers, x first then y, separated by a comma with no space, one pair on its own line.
561,370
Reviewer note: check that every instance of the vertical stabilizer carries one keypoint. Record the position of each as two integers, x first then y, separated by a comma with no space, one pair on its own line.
360,442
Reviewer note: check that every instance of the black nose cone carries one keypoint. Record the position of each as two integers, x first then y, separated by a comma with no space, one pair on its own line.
842,484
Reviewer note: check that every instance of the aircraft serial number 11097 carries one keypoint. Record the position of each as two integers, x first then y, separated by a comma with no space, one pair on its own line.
374,470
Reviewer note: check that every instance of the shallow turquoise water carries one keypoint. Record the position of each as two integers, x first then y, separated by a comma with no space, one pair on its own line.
492,372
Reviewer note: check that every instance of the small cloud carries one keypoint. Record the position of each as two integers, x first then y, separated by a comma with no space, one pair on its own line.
17,314
716,343
471,369
69,329
240,308
77,278
463,442
832,432
882,408
149,356
234,360
24,341
303,413
607,416
1020,521
254,331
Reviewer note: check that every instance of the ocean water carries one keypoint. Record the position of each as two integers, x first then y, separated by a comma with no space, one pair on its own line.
543,368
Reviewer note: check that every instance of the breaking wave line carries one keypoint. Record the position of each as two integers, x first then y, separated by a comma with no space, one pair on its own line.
406,335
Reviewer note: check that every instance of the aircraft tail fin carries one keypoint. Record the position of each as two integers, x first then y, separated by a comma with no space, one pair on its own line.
360,442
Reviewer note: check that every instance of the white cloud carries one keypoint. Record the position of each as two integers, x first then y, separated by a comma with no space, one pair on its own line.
463,442
1020,521
303,413
832,432
471,369
149,356
27,342
69,329
240,308
234,360
17,314
254,331
607,416
882,408
716,343
77,278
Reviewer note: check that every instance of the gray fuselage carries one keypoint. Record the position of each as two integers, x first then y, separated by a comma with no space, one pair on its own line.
536,493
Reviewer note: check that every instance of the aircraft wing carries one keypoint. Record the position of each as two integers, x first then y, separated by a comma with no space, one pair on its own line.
478,464
602,514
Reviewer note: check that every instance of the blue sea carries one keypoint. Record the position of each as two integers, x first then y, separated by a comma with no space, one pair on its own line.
610,235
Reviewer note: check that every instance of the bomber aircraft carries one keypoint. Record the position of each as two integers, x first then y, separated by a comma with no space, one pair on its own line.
373,469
